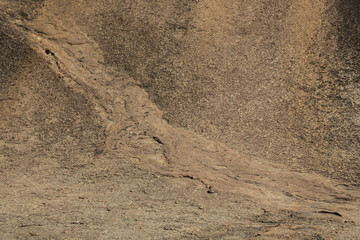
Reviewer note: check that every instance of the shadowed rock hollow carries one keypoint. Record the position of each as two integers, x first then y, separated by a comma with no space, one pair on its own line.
179,119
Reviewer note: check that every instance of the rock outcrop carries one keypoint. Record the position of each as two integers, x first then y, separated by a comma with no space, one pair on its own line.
179,120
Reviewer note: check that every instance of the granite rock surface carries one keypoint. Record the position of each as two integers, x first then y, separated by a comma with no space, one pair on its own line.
192,119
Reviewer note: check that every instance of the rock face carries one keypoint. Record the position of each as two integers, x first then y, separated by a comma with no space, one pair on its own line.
180,119
274,79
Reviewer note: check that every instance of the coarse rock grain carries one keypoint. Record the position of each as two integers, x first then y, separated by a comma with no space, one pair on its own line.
179,119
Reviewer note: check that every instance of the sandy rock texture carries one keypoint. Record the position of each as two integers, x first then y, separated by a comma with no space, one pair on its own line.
191,119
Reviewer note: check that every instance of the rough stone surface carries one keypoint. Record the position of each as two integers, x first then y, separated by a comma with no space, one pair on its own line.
274,79
191,119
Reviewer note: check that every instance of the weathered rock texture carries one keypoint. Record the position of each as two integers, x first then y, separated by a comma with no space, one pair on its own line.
277,79
179,119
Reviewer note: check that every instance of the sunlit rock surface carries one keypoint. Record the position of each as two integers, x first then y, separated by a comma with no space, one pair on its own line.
179,119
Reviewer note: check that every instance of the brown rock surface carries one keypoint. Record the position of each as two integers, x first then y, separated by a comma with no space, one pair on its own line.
254,135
